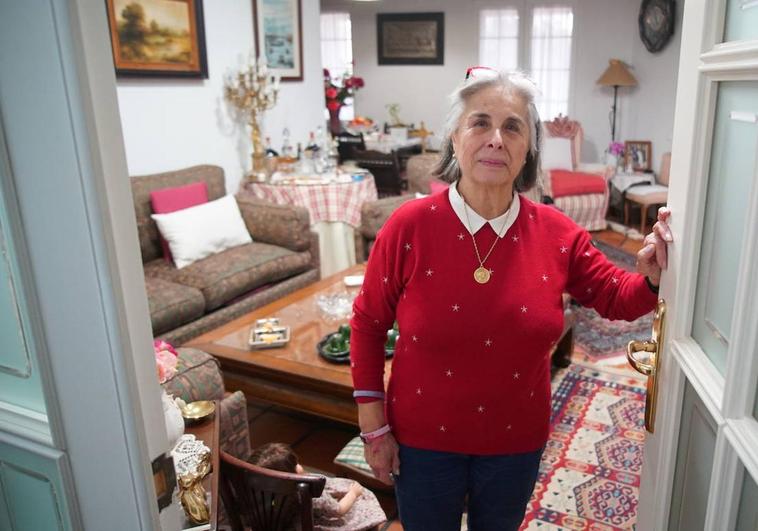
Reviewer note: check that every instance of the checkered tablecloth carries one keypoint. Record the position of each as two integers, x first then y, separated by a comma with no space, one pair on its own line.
325,202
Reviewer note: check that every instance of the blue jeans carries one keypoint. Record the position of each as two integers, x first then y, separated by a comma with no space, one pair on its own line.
432,486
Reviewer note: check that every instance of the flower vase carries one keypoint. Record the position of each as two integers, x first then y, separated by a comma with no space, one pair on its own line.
173,416
335,126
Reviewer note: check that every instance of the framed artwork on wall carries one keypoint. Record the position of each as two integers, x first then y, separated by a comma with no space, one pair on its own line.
279,36
638,154
157,38
411,38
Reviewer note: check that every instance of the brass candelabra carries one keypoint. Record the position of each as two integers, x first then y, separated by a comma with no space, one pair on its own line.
253,91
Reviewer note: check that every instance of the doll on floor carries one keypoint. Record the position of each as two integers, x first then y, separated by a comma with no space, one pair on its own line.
343,506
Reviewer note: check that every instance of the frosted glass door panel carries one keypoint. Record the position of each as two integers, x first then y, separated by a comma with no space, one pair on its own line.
19,378
730,178
747,515
741,20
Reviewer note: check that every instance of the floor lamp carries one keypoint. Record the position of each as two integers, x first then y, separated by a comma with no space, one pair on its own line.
616,75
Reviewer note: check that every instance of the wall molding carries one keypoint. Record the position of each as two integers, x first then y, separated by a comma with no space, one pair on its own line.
25,422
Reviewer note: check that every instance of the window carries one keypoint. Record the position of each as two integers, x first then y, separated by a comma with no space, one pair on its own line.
552,28
498,38
544,50
337,52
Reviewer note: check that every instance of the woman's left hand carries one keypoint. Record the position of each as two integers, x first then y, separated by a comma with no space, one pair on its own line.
653,257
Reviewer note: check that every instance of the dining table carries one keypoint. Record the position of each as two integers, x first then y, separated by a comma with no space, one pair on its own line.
333,200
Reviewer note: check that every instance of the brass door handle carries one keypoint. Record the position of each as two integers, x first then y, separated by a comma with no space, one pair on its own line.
649,367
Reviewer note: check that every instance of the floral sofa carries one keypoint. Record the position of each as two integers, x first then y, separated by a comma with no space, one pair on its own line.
187,302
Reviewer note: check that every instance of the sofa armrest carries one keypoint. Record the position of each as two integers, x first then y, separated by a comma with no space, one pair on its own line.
198,377
283,225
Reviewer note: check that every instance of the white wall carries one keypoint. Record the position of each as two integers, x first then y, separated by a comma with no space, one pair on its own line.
603,29
170,124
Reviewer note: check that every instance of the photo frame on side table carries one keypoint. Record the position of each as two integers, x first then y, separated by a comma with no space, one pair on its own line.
279,36
411,38
639,154
157,38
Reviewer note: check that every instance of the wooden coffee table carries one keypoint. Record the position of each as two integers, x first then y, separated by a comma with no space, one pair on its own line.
293,376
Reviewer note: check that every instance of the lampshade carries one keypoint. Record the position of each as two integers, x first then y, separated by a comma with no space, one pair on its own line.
617,75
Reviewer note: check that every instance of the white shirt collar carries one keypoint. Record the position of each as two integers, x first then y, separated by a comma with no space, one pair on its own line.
500,224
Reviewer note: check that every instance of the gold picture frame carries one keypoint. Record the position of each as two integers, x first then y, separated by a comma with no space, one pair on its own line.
158,38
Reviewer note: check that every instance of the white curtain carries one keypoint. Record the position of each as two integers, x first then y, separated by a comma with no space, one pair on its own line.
552,29
498,38
337,52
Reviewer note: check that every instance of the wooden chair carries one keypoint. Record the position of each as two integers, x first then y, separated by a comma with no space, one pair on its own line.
385,167
348,144
648,195
259,499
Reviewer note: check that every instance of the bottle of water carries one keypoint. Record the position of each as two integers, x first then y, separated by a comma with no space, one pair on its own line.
286,146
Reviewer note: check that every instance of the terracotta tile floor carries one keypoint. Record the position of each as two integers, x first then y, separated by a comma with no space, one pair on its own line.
317,441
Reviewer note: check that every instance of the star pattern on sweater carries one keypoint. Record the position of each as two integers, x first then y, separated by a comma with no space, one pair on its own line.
429,272
516,375
433,208
531,216
615,280
544,277
480,409
460,236
492,271
523,309
415,339
508,427
442,428
515,239
385,279
407,246
531,395
586,253
449,373
589,290
456,307
488,343
564,249
418,391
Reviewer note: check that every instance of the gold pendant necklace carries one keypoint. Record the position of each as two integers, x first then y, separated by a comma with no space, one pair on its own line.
481,274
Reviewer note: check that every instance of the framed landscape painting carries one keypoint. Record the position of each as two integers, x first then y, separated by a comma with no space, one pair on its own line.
411,38
279,36
158,38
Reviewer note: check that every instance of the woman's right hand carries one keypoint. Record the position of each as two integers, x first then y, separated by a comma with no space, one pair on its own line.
382,455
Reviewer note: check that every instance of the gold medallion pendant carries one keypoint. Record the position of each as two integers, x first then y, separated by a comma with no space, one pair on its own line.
481,275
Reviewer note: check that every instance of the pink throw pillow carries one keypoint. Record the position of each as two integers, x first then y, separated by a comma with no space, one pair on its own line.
167,200
436,186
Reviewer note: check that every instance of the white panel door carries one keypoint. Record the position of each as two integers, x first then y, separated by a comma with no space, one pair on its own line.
701,463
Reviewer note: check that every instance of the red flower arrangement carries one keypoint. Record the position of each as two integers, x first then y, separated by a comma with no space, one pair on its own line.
336,94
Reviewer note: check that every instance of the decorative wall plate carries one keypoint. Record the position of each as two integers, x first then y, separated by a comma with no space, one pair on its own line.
656,22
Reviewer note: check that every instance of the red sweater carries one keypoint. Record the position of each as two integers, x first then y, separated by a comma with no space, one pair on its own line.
471,371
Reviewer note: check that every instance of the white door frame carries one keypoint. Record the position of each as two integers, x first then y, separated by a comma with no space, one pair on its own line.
729,399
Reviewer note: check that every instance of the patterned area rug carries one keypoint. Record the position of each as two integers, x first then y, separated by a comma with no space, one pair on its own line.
600,341
590,472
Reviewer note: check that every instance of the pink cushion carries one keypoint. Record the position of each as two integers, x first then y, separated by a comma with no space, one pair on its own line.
436,186
167,200
576,183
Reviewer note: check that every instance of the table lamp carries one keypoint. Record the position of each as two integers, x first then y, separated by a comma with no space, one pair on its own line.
616,75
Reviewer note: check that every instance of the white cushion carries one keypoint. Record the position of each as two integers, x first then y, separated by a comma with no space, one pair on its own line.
203,230
556,154
646,189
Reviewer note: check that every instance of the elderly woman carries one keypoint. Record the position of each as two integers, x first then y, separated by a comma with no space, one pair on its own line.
474,278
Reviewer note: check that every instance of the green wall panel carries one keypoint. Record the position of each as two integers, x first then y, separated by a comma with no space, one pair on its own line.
31,490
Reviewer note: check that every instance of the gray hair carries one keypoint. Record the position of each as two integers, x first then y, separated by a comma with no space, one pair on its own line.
448,168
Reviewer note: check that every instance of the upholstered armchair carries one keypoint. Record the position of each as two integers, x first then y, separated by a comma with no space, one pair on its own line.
580,190
198,377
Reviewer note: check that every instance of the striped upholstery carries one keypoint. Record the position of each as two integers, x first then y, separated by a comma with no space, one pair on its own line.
587,210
